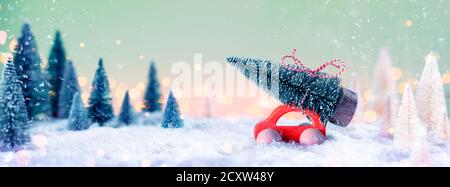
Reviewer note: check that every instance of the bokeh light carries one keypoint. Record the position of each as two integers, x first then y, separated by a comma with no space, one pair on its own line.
13,45
3,37
408,23
370,116
396,73
82,81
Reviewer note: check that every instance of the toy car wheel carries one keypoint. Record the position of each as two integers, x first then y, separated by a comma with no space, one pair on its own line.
311,137
267,136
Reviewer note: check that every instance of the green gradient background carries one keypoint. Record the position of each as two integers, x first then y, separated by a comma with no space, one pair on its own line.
173,30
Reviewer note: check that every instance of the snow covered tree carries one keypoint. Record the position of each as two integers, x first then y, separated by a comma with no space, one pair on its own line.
171,117
78,118
408,126
126,115
152,91
35,88
100,107
431,101
383,85
69,86
55,70
13,113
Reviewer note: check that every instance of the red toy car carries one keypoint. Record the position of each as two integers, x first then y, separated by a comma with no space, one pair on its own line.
267,131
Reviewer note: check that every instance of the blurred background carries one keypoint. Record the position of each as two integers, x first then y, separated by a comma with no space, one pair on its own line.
128,34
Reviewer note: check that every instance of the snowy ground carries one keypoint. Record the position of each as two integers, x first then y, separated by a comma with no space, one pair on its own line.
207,142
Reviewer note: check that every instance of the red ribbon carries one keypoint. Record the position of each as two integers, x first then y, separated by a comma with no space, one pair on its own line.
337,63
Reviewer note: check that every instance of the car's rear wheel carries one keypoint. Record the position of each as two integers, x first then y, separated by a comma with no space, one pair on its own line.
311,137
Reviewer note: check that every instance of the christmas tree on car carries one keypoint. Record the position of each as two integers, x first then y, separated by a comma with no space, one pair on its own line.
314,93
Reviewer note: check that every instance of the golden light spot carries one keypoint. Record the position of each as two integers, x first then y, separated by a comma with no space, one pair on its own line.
370,116
4,57
401,87
391,130
134,94
13,45
396,73
139,106
85,98
408,23
119,93
118,42
51,93
141,57
368,95
446,78
82,45
82,81
197,67
140,86
166,82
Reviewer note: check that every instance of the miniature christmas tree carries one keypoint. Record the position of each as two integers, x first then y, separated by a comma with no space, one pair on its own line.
35,88
408,125
431,101
384,90
100,107
325,96
152,92
13,113
78,118
55,70
69,86
383,81
126,115
171,117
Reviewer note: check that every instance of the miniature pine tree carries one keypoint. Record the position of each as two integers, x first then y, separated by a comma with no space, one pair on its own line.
126,115
152,91
78,118
55,70
171,117
69,86
408,125
13,113
100,107
293,86
385,95
431,101
383,86
35,88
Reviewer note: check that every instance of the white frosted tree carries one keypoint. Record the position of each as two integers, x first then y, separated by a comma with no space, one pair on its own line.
408,127
385,94
383,82
431,101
